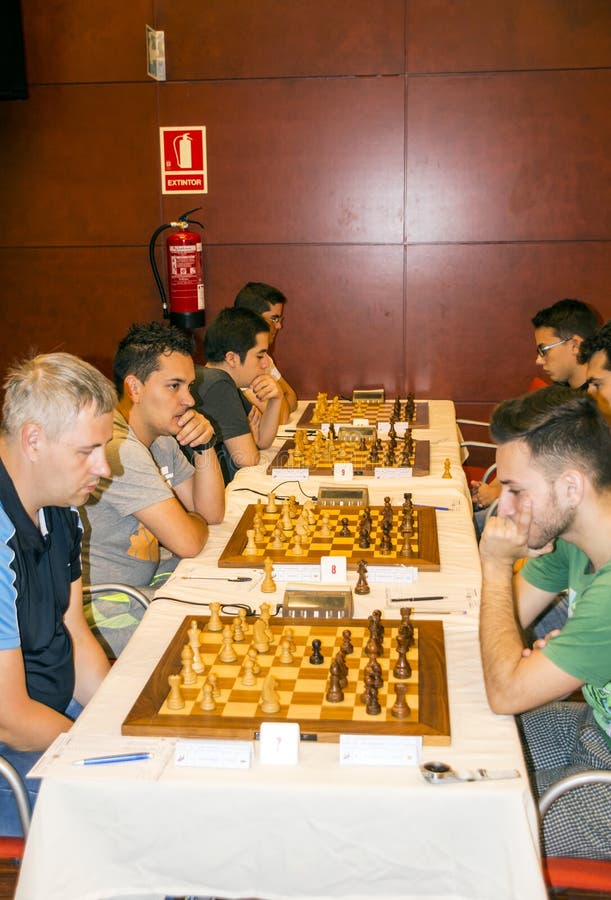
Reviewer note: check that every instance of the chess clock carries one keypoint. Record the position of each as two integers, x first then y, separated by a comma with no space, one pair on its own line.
312,604
357,432
372,396
343,496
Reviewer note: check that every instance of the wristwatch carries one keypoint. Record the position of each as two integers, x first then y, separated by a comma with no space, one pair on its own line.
202,447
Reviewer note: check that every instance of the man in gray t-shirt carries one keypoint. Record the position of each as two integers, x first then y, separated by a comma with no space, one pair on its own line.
156,505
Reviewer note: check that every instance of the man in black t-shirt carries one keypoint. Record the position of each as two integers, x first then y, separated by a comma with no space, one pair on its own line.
56,422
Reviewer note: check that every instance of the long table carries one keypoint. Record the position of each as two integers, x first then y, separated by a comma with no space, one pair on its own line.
315,830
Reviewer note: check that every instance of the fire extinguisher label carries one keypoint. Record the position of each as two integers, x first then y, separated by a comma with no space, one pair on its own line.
183,160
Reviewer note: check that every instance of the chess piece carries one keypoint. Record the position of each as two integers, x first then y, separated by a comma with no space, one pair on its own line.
316,658
286,657
270,702
447,465
252,654
297,549
347,645
278,541
175,700
212,681
215,623
248,677
251,548
289,635
238,634
271,504
324,530
260,640
227,653
334,693
242,615
268,585
186,657
207,703
373,707
402,669
345,531
400,708
194,642
362,587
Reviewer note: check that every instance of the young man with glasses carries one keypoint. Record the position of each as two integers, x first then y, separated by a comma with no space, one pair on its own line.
269,302
560,330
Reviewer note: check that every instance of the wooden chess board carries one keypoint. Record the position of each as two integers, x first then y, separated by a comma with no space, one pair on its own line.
344,412
423,541
348,451
301,686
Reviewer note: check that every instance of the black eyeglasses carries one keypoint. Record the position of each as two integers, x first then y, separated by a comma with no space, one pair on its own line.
277,320
543,348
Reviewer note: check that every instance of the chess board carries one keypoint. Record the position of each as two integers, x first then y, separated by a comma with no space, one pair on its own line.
344,412
424,541
301,686
348,451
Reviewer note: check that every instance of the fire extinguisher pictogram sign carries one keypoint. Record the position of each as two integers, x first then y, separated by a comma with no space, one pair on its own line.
183,159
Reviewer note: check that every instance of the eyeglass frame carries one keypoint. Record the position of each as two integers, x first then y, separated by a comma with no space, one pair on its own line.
542,349
277,320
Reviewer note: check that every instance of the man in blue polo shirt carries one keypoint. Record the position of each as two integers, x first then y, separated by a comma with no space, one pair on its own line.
56,422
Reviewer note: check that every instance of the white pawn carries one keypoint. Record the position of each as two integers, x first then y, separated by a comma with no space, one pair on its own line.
248,677
252,655
251,548
238,634
211,680
286,656
227,654
324,530
207,703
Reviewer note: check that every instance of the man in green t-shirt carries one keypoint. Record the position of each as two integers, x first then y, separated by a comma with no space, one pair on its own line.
554,465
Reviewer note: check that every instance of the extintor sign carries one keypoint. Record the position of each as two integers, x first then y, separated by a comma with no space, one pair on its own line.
183,160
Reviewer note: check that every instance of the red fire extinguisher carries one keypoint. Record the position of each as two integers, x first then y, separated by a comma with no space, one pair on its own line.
186,307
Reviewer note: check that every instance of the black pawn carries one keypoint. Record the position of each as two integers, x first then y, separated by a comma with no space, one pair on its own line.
347,645
373,707
335,693
316,658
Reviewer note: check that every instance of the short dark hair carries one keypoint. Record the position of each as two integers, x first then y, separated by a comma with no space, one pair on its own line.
568,317
599,341
258,296
233,331
561,427
139,352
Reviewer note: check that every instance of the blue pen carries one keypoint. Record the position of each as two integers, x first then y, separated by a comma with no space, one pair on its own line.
109,760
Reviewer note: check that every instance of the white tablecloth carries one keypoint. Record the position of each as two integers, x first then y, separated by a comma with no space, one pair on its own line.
316,830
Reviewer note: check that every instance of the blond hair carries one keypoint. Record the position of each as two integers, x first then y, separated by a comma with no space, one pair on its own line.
51,390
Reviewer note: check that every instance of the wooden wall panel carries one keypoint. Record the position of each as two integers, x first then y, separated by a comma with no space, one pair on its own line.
86,40
80,300
273,38
480,35
509,157
414,220
344,312
469,308
296,161
83,166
